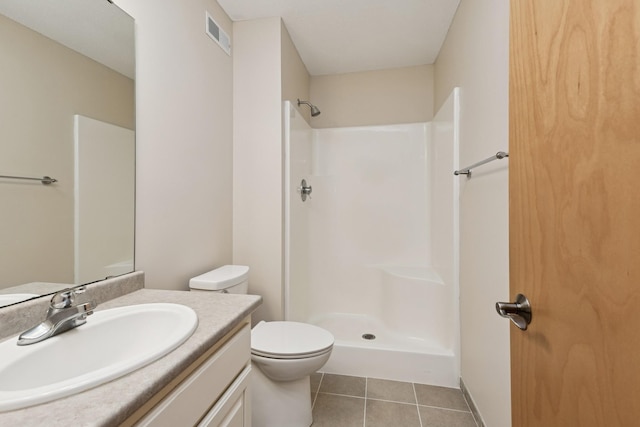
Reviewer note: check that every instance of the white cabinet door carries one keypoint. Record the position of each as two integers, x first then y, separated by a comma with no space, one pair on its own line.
205,388
233,409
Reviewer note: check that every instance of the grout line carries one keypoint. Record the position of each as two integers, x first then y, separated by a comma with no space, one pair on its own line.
391,401
364,419
381,400
415,395
471,404
343,395
474,420
446,409
315,396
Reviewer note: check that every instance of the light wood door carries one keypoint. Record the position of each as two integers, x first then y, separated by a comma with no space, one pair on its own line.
575,211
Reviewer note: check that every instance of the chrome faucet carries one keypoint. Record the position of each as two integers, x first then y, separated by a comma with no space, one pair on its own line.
63,314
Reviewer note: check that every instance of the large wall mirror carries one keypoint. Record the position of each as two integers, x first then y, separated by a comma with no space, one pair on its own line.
67,111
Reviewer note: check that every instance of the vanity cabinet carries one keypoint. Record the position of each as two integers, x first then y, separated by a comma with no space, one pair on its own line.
214,391
233,409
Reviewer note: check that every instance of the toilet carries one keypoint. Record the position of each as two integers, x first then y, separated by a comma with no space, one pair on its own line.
285,354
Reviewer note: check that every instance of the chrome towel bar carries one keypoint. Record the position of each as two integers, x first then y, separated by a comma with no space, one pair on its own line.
467,171
44,179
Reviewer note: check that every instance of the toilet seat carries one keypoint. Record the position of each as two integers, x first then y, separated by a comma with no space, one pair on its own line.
289,340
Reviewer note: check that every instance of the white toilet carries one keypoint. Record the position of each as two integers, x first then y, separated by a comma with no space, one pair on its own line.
285,353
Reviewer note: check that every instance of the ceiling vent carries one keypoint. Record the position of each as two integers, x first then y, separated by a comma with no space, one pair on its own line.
214,31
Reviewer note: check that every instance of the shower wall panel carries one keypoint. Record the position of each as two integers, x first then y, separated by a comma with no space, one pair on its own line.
370,208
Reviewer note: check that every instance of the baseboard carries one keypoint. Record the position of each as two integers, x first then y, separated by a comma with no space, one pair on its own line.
472,404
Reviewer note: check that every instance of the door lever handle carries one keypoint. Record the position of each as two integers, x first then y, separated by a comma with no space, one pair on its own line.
304,190
518,312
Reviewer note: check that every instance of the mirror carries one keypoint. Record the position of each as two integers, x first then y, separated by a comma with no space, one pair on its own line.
67,112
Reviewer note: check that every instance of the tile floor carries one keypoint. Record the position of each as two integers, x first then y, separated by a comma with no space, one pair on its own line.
344,401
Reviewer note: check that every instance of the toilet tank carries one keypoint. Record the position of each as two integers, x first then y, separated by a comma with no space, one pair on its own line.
232,279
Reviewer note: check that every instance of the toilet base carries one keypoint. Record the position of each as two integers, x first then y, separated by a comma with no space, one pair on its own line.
280,403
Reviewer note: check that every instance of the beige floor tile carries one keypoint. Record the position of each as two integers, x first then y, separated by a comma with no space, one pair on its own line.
315,381
340,402
435,417
441,397
342,384
395,391
331,410
390,414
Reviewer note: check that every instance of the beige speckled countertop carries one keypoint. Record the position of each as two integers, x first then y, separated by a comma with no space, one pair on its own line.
111,403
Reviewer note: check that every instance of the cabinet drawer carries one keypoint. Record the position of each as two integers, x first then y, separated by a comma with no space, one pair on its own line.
188,403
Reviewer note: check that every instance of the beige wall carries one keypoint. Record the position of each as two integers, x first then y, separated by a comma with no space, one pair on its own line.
43,84
264,45
184,141
475,57
257,160
296,80
400,95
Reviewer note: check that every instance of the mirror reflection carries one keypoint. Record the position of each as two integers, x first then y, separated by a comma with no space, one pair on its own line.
67,112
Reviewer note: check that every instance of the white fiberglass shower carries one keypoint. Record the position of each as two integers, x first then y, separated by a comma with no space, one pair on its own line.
372,253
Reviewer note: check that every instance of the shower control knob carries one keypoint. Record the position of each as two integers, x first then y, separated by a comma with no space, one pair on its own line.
304,190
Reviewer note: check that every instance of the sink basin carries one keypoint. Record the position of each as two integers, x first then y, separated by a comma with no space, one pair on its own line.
8,299
111,344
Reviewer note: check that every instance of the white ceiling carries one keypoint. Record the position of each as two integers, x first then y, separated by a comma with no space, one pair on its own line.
343,36
97,29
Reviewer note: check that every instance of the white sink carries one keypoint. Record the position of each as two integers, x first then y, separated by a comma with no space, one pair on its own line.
112,343
8,299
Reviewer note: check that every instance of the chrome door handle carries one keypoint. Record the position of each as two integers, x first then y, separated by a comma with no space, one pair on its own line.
519,312
304,190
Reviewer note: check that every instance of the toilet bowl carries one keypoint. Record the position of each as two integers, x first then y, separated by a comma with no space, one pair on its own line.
285,354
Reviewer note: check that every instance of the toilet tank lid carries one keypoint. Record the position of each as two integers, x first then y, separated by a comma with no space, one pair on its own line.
220,278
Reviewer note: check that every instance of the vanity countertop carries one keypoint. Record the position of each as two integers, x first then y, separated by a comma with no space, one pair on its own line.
111,403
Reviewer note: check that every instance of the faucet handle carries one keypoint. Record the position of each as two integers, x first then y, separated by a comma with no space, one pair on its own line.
63,299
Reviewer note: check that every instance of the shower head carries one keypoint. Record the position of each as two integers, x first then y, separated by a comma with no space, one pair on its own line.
314,110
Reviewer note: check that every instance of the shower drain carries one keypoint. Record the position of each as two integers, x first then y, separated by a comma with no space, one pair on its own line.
368,336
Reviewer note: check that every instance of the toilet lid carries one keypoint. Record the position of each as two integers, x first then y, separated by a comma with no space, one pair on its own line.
284,340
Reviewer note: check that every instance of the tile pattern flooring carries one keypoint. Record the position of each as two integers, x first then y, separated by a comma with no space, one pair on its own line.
344,401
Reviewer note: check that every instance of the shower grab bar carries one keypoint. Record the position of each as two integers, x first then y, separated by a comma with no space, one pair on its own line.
467,171
44,179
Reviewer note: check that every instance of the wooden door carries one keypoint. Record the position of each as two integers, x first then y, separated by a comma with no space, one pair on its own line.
575,211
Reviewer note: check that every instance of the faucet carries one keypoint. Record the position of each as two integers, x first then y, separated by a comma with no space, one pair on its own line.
63,314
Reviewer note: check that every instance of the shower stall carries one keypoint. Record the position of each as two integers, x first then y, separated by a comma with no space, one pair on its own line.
371,254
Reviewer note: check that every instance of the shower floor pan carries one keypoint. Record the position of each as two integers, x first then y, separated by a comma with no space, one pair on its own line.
389,355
